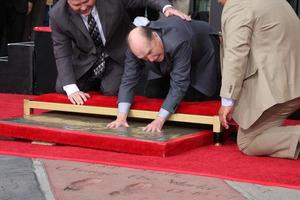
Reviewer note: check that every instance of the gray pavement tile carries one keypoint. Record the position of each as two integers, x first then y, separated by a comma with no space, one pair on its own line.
82,181
42,178
260,192
18,180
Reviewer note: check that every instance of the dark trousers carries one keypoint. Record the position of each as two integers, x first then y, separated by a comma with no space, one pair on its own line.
108,85
159,88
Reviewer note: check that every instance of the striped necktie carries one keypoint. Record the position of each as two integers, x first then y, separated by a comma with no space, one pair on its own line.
99,66
94,31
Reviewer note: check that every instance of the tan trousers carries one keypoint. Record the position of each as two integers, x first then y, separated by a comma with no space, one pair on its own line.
267,136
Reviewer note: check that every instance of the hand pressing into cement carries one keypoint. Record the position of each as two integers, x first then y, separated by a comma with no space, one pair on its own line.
78,98
155,126
121,121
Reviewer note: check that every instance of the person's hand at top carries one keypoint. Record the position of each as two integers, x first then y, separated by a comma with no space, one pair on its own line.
171,11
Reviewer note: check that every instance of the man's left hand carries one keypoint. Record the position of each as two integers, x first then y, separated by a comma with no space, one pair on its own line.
225,115
174,12
155,126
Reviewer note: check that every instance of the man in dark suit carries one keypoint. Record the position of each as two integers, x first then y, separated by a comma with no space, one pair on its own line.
183,61
89,41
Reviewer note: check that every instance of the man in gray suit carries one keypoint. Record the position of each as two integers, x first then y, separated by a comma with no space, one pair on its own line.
183,62
89,41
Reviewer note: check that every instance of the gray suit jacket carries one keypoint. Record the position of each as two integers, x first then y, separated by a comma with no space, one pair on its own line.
74,50
190,59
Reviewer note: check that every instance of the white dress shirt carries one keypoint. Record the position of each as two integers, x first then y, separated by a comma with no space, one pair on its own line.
227,102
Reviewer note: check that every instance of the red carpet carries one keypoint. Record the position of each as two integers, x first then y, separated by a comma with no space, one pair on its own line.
11,105
222,162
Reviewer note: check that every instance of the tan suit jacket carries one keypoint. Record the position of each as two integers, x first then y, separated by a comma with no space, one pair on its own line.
261,58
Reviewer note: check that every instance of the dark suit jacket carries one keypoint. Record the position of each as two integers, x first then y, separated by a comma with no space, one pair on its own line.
74,50
190,59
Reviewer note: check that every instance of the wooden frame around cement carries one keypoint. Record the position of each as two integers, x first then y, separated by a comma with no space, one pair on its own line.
29,105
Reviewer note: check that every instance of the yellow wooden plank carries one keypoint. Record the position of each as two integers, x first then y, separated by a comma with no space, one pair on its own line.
26,109
72,108
177,117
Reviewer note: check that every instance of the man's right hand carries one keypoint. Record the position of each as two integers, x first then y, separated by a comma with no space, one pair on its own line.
78,98
121,121
225,115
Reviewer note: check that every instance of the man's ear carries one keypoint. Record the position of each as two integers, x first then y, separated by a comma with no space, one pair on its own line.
158,39
155,34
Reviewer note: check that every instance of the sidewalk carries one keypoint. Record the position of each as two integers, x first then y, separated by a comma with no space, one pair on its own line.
39,179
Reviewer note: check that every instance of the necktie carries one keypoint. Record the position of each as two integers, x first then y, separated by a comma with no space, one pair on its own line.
99,66
94,31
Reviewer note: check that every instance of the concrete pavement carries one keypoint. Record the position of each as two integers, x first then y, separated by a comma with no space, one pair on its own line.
40,179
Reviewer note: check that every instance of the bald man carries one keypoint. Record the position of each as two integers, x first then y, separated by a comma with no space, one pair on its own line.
182,59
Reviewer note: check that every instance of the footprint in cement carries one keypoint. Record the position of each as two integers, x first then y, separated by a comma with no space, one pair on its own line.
133,188
80,184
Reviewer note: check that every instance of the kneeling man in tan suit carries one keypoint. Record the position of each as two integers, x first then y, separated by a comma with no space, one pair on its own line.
261,75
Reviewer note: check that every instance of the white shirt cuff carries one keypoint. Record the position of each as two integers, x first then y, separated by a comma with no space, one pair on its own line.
227,102
124,107
70,89
165,7
163,113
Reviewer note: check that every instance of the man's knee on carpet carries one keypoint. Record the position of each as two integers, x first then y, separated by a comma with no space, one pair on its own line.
284,144
244,145
254,149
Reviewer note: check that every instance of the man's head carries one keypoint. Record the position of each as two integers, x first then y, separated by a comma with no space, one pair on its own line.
146,44
83,7
222,2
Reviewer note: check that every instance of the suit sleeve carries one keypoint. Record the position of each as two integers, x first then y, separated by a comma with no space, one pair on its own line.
179,76
132,70
237,32
62,47
154,4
